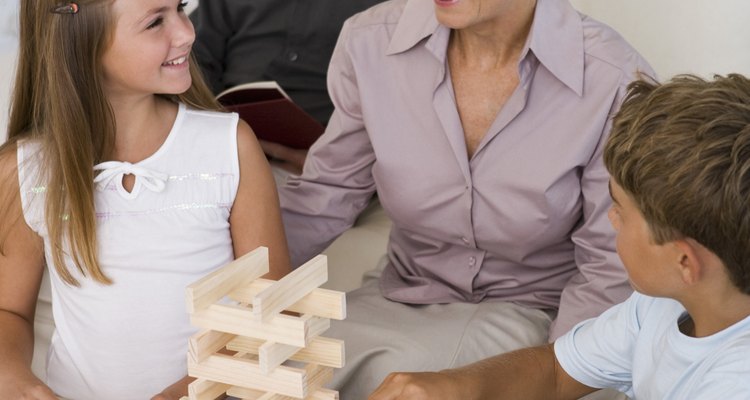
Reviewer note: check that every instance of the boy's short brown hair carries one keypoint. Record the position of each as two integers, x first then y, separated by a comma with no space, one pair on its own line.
681,150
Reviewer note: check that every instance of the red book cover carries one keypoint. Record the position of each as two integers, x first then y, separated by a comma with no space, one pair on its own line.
272,114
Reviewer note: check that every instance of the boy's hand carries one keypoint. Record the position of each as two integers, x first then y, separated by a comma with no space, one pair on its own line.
287,158
176,390
420,386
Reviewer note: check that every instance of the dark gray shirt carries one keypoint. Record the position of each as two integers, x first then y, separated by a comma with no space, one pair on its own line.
288,41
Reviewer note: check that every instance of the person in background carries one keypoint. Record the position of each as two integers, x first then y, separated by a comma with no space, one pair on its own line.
679,155
481,125
287,41
121,178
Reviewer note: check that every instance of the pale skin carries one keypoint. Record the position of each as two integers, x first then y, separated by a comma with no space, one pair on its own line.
143,123
681,269
483,54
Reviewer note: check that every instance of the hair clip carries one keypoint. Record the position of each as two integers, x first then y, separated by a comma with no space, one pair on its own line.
70,8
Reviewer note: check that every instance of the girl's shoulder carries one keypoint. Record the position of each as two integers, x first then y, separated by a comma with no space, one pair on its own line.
20,164
9,163
9,185
208,113
206,126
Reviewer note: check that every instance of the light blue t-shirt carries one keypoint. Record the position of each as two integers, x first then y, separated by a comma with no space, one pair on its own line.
637,348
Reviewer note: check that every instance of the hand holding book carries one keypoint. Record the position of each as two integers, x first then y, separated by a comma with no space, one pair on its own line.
272,114
286,158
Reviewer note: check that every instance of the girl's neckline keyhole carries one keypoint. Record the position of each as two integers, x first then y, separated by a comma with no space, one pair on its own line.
128,182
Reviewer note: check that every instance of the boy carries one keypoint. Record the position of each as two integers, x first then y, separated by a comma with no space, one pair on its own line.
679,156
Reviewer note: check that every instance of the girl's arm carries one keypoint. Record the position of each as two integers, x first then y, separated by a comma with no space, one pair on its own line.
256,217
255,220
21,268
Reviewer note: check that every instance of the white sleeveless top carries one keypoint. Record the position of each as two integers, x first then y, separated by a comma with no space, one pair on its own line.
128,340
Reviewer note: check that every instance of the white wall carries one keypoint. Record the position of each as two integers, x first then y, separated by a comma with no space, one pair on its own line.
191,6
8,51
703,37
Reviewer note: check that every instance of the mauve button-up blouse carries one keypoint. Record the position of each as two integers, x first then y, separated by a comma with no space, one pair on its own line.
525,218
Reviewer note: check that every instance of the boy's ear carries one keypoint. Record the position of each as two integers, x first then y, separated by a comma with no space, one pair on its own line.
690,263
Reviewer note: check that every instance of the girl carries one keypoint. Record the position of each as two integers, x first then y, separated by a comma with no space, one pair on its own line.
118,178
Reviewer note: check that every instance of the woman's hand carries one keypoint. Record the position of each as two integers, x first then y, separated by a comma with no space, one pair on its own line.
287,158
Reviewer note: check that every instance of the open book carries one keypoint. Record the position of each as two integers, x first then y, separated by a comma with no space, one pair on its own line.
272,114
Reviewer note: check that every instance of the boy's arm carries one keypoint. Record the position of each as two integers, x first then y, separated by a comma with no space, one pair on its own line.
21,268
598,351
532,373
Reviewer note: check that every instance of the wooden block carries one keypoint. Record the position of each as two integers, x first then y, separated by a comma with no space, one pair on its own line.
238,320
324,351
250,394
245,393
240,272
246,373
201,389
272,354
321,302
324,394
206,343
314,327
290,289
317,376
321,350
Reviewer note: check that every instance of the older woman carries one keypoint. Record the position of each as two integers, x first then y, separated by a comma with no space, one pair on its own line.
480,123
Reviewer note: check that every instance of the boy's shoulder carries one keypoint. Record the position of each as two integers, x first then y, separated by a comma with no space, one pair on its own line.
647,308
723,375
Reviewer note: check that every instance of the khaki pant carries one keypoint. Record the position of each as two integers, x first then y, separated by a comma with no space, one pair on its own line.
382,336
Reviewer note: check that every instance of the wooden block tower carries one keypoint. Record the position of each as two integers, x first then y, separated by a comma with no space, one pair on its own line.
241,348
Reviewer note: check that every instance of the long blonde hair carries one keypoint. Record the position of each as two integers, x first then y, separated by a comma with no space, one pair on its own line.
58,100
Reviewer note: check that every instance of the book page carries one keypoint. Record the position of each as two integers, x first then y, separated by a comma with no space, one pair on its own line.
255,85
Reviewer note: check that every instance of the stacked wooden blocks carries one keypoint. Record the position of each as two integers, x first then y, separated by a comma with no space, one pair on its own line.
242,347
